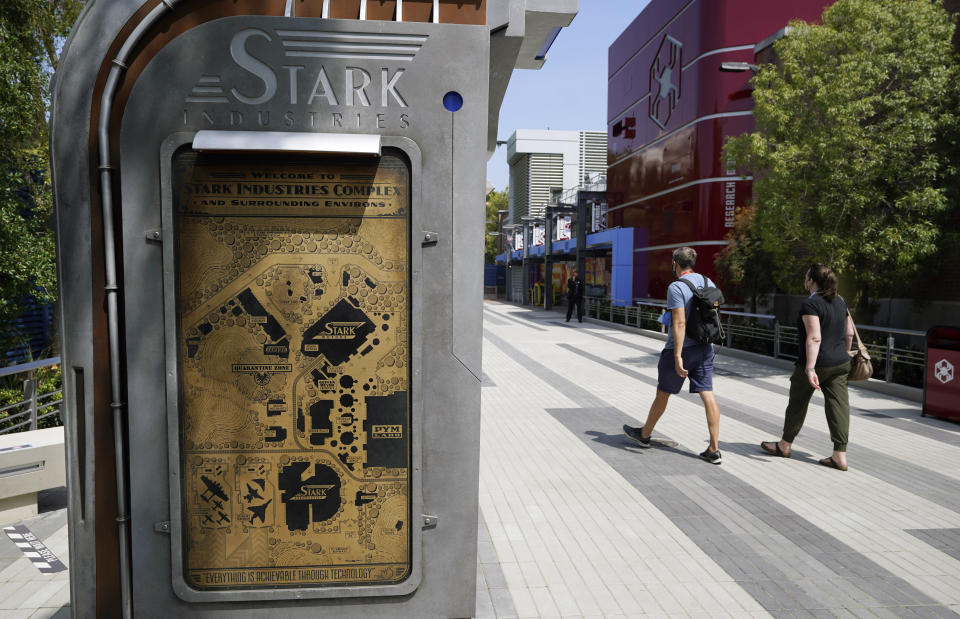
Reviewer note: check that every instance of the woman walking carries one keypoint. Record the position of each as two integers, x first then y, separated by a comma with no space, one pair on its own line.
826,333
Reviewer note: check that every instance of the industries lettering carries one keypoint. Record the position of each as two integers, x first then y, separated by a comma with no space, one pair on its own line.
279,189
311,119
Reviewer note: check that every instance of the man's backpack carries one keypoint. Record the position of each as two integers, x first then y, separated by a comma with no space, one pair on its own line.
703,323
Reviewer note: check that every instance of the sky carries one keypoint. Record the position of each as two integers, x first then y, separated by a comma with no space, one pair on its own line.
570,91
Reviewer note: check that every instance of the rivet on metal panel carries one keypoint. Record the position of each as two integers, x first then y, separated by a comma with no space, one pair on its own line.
154,235
429,238
162,527
429,521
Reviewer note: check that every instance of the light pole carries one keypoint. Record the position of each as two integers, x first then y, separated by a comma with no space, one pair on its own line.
528,223
516,229
738,67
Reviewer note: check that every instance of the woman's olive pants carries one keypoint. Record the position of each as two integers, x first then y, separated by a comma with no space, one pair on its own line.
833,383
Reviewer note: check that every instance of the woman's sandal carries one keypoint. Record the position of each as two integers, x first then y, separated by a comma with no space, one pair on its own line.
830,462
775,450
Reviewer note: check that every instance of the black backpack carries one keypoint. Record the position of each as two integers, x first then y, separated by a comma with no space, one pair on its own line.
703,323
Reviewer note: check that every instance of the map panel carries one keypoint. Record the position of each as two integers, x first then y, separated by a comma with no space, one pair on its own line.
293,306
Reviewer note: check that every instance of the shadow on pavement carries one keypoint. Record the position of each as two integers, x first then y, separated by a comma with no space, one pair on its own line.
619,441
51,499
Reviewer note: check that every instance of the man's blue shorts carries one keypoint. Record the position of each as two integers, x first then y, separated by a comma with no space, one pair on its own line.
697,361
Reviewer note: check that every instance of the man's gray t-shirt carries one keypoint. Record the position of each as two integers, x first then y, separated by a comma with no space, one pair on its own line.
680,295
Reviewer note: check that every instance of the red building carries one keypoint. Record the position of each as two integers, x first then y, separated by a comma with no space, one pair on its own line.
669,111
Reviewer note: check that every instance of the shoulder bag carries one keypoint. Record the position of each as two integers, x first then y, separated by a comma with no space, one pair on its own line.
861,368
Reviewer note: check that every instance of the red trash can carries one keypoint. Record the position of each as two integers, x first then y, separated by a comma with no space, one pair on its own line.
941,377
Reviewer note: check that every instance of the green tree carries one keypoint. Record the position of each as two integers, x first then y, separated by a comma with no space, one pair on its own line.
496,201
855,154
744,265
31,34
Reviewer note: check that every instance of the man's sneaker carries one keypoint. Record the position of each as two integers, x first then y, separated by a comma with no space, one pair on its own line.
713,457
635,434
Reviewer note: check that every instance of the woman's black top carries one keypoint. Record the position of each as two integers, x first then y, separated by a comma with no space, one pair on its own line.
833,328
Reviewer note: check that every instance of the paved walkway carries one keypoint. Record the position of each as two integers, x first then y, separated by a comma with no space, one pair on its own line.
24,590
578,522
583,523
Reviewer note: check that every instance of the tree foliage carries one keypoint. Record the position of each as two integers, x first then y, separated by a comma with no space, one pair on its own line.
745,266
855,152
496,200
31,35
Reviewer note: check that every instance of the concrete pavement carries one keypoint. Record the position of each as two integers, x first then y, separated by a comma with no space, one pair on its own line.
584,523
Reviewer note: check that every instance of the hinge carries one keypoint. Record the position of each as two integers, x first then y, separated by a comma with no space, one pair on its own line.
154,235
162,527
429,521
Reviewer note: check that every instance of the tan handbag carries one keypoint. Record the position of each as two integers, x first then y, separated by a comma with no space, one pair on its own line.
861,368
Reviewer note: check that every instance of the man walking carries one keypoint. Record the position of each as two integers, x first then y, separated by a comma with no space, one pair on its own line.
683,357
575,296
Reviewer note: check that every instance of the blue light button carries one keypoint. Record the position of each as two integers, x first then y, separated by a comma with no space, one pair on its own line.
452,101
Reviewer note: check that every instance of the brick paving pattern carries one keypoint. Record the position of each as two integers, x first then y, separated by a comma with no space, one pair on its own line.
613,530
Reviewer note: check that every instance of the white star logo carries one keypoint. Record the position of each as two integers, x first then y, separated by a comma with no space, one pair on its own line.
666,83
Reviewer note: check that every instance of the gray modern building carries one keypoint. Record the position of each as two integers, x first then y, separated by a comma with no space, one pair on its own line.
545,161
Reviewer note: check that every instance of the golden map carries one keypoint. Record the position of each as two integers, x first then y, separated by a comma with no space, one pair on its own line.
293,300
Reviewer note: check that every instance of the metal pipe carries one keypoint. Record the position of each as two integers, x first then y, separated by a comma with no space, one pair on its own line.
112,290
776,339
888,371
30,394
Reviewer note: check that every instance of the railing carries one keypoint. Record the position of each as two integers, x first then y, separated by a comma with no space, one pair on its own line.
535,294
898,354
35,407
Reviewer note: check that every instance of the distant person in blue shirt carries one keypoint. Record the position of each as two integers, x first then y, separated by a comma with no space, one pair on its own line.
682,358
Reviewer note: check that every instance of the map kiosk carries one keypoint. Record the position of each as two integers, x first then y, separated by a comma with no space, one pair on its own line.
268,222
